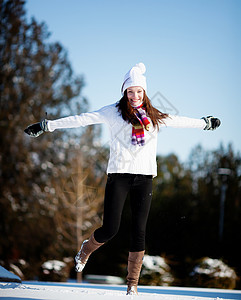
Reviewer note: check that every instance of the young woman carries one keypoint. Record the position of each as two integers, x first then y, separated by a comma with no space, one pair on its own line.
133,123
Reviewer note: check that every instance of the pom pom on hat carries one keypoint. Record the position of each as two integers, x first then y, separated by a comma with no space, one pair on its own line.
135,77
142,67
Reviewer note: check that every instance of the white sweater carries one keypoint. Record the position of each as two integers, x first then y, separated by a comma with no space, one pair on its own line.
125,157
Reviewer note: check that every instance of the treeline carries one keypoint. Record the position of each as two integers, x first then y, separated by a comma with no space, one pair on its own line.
184,221
51,188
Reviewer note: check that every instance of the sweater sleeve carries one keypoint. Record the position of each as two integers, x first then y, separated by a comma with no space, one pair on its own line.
82,120
183,122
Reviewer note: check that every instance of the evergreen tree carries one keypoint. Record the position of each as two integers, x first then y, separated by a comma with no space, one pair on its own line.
208,182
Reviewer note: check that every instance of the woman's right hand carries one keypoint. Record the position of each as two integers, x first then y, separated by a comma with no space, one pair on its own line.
37,129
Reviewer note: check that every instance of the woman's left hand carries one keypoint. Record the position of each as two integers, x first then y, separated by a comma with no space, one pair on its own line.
211,123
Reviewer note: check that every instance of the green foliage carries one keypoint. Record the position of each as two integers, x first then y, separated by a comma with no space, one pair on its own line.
183,224
185,215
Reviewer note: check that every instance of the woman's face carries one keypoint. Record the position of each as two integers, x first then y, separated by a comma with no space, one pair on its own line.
135,95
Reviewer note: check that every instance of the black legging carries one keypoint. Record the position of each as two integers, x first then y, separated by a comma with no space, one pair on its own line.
117,188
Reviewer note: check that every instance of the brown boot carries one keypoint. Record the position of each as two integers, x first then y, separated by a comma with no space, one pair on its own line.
135,260
87,248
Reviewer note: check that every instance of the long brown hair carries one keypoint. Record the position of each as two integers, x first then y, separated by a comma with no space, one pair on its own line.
128,112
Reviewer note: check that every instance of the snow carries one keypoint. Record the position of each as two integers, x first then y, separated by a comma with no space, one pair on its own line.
155,263
155,266
103,279
74,291
214,267
82,291
55,265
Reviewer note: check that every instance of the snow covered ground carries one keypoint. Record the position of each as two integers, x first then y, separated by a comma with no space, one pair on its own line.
62,291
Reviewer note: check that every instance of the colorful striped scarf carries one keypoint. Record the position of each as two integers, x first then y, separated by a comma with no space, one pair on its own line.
138,134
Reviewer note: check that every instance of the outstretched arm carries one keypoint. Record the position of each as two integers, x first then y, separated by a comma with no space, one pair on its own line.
84,119
205,123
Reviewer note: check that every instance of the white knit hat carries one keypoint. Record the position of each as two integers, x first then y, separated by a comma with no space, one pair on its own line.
135,77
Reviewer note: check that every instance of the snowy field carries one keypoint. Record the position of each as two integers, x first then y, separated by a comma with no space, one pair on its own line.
67,291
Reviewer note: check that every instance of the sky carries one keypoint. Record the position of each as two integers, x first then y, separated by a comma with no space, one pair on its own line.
191,50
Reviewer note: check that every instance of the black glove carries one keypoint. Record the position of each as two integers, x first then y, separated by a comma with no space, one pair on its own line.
37,129
211,123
